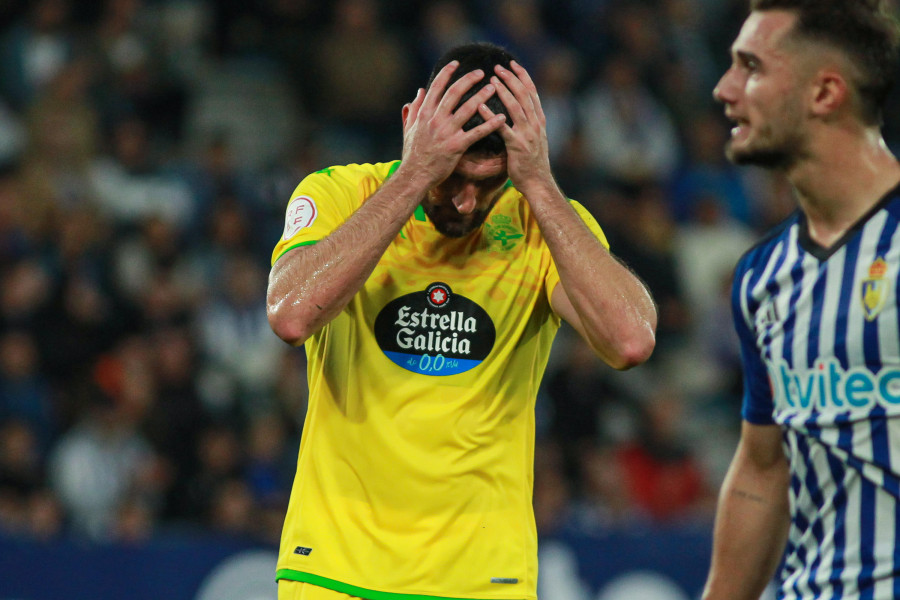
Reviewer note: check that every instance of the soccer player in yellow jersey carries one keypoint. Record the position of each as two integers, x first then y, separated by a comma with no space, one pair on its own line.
427,292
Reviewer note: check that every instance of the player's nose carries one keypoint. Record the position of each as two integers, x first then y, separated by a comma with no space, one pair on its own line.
466,200
725,88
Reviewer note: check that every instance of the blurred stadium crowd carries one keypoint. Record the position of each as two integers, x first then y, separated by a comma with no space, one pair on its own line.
147,151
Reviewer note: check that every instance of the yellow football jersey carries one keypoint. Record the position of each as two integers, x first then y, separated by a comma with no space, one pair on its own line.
415,471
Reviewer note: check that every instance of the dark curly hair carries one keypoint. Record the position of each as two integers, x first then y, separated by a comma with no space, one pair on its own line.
471,57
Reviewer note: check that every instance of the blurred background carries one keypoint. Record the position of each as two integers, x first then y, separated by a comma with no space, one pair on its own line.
150,420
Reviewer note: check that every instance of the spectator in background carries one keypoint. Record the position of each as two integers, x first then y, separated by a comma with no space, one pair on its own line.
645,236
25,391
131,184
517,26
444,25
629,136
689,69
64,136
663,478
605,499
219,460
587,407
362,74
235,336
700,270
34,50
136,78
705,173
21,473
558,72
100,463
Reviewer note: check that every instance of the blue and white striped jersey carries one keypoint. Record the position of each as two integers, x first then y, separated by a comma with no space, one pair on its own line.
820,341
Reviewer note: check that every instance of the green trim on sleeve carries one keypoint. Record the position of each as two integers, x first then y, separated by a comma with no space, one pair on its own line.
392,170
289,248
346,588
419,214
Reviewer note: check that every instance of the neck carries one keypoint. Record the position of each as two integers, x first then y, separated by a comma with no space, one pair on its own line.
847,174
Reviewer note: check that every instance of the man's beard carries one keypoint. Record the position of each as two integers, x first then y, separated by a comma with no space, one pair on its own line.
452,224
771,151
767,158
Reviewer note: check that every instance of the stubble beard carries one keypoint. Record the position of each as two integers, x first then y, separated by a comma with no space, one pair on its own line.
452,224
774,158
777,147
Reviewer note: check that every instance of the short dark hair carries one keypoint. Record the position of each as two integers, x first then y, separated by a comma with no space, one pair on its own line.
865,30
484,56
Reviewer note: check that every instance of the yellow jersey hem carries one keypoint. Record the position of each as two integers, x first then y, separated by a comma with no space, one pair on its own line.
352,590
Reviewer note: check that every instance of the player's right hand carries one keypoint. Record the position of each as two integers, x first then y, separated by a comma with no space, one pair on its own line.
433,136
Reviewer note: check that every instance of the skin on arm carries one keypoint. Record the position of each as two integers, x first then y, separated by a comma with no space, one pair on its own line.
600,297
752,519
310,285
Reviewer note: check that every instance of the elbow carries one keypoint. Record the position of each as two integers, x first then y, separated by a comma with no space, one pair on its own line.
286,324
634,351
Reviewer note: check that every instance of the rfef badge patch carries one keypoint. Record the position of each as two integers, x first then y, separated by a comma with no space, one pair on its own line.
301,213
435,331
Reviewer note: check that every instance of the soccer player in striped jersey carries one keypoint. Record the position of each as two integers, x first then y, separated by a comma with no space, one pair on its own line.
813,491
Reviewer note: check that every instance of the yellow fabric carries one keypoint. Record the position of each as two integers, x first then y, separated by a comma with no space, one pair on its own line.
411,481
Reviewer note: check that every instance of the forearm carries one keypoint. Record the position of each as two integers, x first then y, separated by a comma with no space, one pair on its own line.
614,310
310,285
751,529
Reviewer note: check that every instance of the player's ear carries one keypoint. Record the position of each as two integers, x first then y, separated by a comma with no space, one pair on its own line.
404,114
830,93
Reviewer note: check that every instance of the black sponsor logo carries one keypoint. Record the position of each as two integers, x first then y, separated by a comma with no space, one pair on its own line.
435,332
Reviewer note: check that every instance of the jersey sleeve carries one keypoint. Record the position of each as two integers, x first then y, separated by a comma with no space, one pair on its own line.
552,278
757,407
319,204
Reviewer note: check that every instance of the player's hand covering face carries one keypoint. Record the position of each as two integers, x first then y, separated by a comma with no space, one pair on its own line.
433,136
527,150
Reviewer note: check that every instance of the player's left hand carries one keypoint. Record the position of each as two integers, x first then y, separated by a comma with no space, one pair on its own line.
527,150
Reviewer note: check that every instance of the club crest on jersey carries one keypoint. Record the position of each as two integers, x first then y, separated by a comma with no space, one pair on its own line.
874,289
301,213
435,331
502,234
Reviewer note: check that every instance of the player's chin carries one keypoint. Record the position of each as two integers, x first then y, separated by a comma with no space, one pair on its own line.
457,225
456,229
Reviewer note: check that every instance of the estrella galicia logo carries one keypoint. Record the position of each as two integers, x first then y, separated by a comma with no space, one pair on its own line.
435,332
438,294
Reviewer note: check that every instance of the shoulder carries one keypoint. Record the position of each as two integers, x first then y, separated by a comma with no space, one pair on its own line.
760,252
350,181
354,172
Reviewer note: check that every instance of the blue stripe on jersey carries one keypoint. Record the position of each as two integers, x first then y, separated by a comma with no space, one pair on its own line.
838,474
815,325
790,323
787,352
812,486
867,539
772,289
800,522
841,324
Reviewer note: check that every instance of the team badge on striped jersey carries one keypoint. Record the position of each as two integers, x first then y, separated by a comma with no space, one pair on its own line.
875,288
